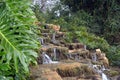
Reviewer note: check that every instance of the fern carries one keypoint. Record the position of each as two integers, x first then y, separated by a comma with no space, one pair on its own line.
17,40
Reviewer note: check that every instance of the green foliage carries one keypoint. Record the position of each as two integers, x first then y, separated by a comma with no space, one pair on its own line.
89,39
105,16
114,55
17,40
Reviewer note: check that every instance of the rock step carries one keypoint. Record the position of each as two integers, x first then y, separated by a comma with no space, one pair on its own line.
78,54
44,74
44,40
74,59
57,35
62,70
73,46
51,47
54,52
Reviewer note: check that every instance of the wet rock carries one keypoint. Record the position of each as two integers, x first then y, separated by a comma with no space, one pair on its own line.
60,52
44,40
79,53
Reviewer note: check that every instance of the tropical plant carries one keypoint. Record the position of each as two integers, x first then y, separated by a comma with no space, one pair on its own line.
17,40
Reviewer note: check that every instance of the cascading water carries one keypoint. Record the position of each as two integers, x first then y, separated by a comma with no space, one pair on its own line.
104,77
55,54
47,59
77,57
99,69
53,38
70,56
41,41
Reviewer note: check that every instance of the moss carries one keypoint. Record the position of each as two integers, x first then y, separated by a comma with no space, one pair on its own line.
69,70
97,63
112,73
87,70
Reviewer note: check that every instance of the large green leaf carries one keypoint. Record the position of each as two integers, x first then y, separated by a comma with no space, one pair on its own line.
17,40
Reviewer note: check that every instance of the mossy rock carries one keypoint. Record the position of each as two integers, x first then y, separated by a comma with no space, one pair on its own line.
69,69
74,69
79,53
72,46
87,70
96,63
112,73
84,53
60,52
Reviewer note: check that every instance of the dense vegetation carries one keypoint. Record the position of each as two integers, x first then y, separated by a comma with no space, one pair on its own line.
105,14
18,43
85,20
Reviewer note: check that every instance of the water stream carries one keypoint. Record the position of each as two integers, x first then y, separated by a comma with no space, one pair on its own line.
104,76
53,37
41,41
100,70
47,59
55,54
